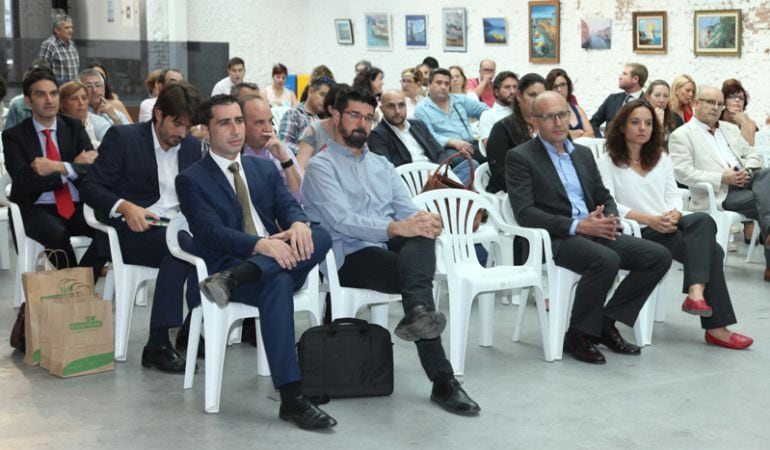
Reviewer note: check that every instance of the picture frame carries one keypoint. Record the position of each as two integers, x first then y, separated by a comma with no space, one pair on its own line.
379,31
717,32
454,30
344,29
544,32
650,32
495,30
596,33
416,31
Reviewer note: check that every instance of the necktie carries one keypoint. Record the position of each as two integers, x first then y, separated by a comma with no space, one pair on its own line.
243,198
628,99
64,205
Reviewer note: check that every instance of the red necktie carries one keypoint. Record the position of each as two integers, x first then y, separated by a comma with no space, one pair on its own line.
64,204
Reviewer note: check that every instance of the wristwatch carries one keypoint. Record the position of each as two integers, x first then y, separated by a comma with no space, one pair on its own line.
287,164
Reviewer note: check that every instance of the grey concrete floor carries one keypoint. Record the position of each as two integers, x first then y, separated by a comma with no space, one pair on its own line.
679,394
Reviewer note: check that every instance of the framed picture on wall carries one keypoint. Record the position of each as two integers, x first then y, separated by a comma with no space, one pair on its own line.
718,33
344,28
544,32
378,32
495,30
417,31
455,30
650,31
596,33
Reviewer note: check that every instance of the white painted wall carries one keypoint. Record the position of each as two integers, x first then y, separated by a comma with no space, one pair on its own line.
300,34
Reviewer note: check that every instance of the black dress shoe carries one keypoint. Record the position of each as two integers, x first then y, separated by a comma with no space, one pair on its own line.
163,358
181,344
217,287
305,414
615,342
420,323
453,398
581,348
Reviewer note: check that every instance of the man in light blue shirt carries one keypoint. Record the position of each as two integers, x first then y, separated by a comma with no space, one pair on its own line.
446,115
380,239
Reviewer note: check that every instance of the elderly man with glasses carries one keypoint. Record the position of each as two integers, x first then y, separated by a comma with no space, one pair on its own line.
710,150
97,103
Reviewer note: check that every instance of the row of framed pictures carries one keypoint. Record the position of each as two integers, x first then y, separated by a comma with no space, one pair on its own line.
716,32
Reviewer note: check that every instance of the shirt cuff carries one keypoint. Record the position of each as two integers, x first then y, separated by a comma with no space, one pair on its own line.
114,210
573,227
71,174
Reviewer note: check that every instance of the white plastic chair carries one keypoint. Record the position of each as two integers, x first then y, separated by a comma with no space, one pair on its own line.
28,248
725,220
762,139
129,280
595,144
467,278
218,322
346,301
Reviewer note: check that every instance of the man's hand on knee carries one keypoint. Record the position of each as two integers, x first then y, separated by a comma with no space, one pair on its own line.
597,225
275,247
423,224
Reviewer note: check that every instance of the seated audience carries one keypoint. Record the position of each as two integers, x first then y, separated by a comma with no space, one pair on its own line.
370,79
482,87
658,95
48,156
458,80
262,142
73,102
362,65
411,85
295,120
640,176
317,134
427,65
447,115
631,80
243,89
684,91
513,130
381,240
235,206
555,184
165,76
318,71
97,102
277,93
236,71
713,151
504,87
736,101
18,109
109,93
579,125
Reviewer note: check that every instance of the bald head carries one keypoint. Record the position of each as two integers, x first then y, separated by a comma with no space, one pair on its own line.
709,104
393,107
548,97
550,117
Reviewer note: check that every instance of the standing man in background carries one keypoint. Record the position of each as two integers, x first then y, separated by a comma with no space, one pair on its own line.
59,51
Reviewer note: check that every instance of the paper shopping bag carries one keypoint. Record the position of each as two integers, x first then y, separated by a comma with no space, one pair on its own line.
45,286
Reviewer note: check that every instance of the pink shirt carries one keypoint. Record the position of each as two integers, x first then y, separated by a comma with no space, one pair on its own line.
488,96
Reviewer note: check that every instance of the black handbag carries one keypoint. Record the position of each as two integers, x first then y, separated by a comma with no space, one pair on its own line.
346,358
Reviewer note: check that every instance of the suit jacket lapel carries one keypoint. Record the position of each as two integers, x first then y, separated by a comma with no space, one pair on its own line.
543,161
221,181
403,152
35,149
420,138
257,195
584,176
148,146
702,144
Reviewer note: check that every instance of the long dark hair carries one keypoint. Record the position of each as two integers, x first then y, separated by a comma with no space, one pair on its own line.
365,78
616,139
550,81
522,127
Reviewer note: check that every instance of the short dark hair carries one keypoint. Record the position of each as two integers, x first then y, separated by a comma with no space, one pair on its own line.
243,84
639,71
430,62
331,97
162,76
365,78
343,97
366,63
616,139
730,86
280,69
439,71
246,98
234,62
204,110
502,76
34,76
321,81
178,100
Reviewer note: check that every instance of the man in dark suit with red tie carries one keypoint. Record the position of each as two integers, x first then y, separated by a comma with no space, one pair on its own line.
47,157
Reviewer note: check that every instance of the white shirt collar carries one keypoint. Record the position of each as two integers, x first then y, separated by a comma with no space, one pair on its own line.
156,143
39,127
407,125
223,162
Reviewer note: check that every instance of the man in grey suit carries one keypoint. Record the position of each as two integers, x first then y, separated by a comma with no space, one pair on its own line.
710,150
631,80
555,184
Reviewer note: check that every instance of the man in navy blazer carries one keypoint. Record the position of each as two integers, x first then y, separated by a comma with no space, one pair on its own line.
131,183
46,180
631,80
251,231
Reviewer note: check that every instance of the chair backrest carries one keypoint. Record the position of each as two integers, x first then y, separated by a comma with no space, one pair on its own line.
416,174
15,213
457,209
762,138
179,224
595,144
481,179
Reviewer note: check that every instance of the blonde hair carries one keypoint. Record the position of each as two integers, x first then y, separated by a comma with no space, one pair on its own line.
678,82
152,78
67,90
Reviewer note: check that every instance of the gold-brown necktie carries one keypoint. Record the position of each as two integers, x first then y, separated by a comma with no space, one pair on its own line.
243,198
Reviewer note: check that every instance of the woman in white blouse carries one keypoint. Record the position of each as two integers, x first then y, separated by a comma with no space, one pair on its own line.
640,176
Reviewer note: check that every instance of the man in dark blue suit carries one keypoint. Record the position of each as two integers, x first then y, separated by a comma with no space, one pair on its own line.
131,183
252,232
631,80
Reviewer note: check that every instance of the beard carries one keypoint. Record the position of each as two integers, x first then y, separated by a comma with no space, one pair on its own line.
355,138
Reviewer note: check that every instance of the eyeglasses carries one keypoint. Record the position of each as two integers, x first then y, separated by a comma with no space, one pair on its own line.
551,117
560,85
358,116
94,85
712,103
736,97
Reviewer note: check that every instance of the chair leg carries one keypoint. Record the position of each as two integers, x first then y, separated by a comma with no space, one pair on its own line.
216,346
459,315
380,314
486,318
124,306
542,318
754,238
560,300
520,314
141,295
5,248
644,321
193,340
108,290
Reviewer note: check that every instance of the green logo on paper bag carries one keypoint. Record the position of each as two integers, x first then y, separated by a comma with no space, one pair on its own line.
89,323
88,363
36,357
68,288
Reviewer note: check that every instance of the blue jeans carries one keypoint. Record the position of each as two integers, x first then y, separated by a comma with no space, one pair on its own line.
463,170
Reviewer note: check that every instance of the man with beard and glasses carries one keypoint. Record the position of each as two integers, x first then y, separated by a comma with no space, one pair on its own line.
131,188
380,239
504,86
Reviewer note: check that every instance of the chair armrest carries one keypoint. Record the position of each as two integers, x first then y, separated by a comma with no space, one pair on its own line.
702,185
